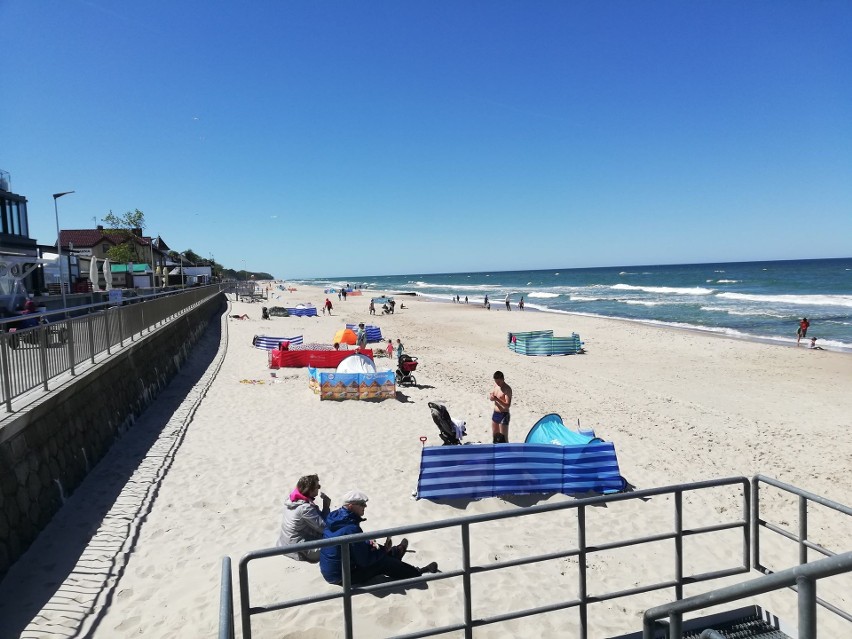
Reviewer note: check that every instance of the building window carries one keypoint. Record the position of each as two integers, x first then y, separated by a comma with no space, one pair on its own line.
104,249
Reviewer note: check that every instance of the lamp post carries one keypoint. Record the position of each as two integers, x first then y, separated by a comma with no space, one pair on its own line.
56,196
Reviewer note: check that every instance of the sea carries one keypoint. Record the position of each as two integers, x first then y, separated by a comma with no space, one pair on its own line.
761,301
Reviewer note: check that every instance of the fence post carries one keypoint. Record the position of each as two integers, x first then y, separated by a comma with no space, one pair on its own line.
678,499
581,558
803,529
807,607
755,523
120,327
91,334
106,332
4,362
347,589
42,351
468,604
69,333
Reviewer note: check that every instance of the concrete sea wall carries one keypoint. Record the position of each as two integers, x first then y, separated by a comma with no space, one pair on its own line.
47,450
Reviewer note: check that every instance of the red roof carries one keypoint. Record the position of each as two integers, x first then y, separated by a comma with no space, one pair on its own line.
86,238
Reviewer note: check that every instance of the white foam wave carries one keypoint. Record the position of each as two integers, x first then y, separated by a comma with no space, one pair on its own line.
583,298
727,281
799,300
640,302
729,311
542,294
696,290
626,273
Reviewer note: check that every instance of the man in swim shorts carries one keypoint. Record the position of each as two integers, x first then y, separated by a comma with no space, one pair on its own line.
501,396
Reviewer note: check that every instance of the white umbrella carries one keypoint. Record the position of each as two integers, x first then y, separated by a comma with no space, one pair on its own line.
93,273
108,275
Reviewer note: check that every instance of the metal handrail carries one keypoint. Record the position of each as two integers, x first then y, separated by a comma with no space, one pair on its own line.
226,602
32,357
464,523
805,576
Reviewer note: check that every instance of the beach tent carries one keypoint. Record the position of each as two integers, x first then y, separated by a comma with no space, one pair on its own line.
550,430
345,336
357,363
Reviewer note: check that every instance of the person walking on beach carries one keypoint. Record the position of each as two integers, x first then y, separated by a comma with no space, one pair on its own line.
399,349
508,303
328,306
390,349
485,301
465,299
501,397
367,560
803,330
303,519
521,304
372,308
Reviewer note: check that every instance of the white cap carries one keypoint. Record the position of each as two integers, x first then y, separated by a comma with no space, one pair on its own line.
355,497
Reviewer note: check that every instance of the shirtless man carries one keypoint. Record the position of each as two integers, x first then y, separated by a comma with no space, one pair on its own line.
501,395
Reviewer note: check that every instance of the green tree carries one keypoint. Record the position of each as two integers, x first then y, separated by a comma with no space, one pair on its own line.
123,226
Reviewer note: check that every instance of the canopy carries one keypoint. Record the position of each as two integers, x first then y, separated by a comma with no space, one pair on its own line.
356,363
345,336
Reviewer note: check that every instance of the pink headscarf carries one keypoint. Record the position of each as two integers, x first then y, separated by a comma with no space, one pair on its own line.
297,496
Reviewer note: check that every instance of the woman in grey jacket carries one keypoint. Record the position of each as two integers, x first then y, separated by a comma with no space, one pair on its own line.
303,519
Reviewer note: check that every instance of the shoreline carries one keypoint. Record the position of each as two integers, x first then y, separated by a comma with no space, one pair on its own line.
720,332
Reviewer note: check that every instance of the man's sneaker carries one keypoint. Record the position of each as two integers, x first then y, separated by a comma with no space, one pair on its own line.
433,567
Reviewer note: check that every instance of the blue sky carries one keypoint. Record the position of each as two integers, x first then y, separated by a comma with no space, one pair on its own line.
335,138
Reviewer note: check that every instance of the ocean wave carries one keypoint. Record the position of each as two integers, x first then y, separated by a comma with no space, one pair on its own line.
727,281
798,300
627,273
729,311
583,298
542,294
696,290
640,302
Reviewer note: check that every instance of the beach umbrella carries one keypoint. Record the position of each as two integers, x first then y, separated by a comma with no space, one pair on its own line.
93,273
108,275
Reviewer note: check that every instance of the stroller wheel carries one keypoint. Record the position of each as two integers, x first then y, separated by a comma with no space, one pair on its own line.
398,377
412,381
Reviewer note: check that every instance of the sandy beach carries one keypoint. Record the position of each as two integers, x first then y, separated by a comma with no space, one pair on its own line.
137,550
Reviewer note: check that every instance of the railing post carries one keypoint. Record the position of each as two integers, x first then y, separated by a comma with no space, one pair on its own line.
755,523
120,326
581,558
807,607
678,500
803,529
747,528
69,336
347,589
42,351
91,333
245,600
675,625
468,603
4,363
106,332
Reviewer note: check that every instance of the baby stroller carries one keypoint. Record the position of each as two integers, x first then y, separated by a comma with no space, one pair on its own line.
450,433
406,366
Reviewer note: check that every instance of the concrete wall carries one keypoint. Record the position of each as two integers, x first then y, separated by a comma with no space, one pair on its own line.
47,450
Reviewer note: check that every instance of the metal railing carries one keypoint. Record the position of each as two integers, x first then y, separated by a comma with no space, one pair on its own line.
804,497
31,357
581,552
804,577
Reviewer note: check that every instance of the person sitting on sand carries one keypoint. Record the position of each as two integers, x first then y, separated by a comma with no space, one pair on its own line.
337,346
814,346
303,520
367,560
244,316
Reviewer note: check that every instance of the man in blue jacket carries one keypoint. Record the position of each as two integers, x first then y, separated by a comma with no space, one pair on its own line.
367,560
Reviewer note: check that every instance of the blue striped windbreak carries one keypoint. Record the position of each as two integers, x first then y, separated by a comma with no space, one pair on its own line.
543,343
474,471
304,311
374,333
271,343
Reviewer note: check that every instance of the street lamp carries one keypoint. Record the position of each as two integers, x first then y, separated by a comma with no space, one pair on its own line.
56,196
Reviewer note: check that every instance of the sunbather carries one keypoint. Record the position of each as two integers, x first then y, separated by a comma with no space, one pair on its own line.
367,559
303,520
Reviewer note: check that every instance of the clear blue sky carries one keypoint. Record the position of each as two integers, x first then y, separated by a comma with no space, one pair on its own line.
335,138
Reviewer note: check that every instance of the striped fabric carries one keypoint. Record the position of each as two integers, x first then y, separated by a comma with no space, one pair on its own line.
489,470
270,343
374,333
543,343
305,311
